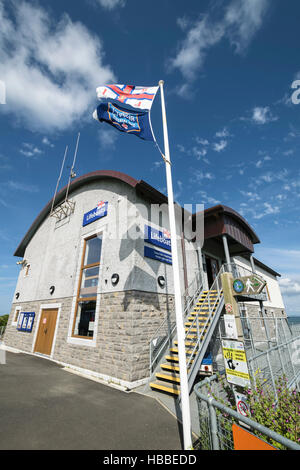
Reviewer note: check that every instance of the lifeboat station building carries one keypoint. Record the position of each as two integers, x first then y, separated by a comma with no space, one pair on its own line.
96,279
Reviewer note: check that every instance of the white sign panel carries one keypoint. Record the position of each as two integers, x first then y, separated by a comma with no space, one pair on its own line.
235,360
230,327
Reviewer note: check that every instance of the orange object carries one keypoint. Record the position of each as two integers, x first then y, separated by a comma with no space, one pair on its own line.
245,440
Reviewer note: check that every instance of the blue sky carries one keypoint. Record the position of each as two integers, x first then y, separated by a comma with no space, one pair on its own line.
234,132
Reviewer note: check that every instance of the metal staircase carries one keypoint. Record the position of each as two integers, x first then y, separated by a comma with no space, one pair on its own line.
200,324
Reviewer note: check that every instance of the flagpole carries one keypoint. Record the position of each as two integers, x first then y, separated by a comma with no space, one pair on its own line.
184,390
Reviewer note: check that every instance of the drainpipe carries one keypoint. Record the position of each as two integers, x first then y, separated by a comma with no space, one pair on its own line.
261,306
226,251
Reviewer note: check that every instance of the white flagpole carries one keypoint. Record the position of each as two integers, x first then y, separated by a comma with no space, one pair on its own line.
185,400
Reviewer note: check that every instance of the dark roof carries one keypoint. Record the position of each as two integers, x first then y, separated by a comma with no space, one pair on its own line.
221,209
142,188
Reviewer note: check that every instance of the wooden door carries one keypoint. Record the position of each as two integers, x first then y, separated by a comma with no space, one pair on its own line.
46,331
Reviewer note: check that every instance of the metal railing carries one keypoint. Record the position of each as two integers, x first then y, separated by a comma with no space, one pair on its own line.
216,421
167,329
204,331
272,349
239,271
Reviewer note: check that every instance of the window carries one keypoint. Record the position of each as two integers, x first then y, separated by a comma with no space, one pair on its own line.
16,315
27,269
84,320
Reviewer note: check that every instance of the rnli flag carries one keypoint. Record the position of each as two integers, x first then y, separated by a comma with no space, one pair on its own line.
136,96
131,122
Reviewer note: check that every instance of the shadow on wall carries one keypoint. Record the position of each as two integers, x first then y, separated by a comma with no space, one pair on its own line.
138,279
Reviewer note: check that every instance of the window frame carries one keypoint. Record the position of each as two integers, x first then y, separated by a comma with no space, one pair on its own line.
14,320
86,299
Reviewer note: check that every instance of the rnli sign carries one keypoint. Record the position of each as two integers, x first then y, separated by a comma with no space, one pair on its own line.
95,214
157,255
160,238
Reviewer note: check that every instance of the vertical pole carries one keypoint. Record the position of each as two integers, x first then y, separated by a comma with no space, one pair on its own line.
226,250
184,389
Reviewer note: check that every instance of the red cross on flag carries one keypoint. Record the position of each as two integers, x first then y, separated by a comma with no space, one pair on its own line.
136,96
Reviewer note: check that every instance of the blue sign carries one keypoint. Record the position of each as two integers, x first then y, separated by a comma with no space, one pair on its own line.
157,255
238,286
95,214
157,237
26,323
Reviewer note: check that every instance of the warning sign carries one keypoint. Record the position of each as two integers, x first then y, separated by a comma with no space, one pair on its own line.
242,404
235,361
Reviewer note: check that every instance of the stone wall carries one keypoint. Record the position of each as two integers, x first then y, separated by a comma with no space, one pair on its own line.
127,321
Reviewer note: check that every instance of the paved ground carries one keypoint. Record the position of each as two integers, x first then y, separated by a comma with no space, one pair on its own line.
44,407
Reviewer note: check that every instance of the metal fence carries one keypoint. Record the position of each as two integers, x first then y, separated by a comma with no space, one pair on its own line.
272,349
217,419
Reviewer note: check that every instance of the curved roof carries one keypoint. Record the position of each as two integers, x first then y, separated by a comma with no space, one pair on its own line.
219,209
143,188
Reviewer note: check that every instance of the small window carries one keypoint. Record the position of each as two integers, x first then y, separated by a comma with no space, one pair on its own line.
16,315
83,326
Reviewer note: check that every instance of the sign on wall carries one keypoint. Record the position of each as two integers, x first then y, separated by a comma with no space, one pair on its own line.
248,285
230,327
95,214
235,360
160,238
25,322
157,255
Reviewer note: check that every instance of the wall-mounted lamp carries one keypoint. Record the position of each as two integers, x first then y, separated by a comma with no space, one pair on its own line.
23,262
161,281
52,289
115,279
17,295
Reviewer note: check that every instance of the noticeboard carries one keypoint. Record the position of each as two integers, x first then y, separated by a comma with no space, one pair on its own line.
25,322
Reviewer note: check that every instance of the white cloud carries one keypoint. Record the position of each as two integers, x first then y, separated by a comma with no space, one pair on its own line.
240,21
111,4
47,142
51,68
30,150
289,287
17,186
268,209
223,134
262,115
200,175
107,137
220,146
202,141
205,199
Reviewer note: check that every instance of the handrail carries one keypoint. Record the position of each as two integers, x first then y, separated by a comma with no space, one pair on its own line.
217,285
168,327
212,403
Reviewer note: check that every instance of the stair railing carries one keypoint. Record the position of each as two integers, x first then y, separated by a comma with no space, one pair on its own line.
202,330
167,329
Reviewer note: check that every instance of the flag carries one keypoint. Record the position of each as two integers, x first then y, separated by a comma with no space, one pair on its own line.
136,96
131,122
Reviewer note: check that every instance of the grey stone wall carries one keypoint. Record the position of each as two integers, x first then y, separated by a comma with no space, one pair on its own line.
127,321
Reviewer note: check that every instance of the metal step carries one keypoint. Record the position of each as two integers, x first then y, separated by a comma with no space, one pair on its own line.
174,359
164,376
163,387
